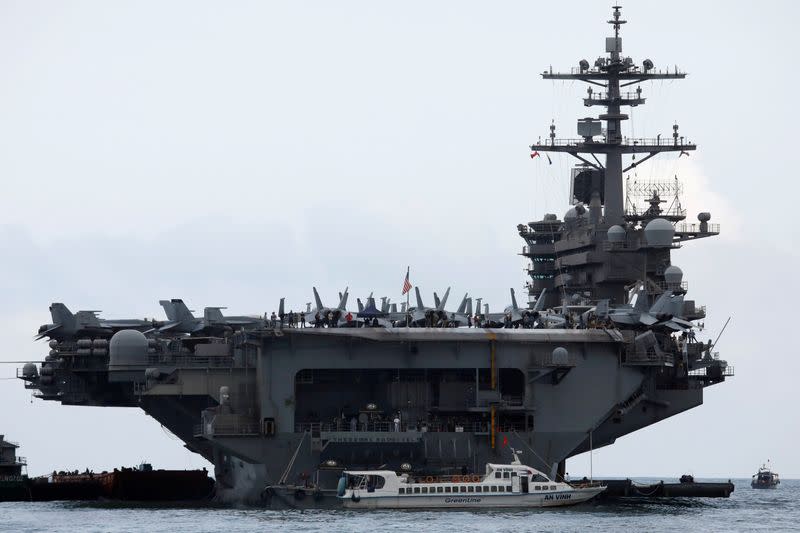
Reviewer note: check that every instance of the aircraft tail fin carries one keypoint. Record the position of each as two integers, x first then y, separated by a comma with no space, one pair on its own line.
436,300
514,305
641,301
182,313
360,305
539,305
441,305
393,308
469,306
663,304
419,298
282,307
62,316
213,314
343,299
462,307
169,310
317,299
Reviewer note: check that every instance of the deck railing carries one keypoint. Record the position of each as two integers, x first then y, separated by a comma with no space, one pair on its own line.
389,427
634,357
191,361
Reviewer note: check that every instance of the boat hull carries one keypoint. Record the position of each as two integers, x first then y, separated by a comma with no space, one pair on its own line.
473,501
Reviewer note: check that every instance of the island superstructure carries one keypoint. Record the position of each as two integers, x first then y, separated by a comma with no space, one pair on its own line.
607,347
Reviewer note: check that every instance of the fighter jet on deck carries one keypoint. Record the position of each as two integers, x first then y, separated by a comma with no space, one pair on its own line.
213,322
666,311
421,315
68,325
516,314
459,318
213,317
338,313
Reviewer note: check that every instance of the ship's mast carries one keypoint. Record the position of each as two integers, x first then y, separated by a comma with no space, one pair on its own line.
612,73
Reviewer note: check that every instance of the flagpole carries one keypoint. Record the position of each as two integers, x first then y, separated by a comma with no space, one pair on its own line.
408,292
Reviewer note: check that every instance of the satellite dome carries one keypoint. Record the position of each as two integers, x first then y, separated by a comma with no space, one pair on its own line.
550,217
673,276
29,370
560,356
571,214
128,347
580,209
659,232
616,234
704,217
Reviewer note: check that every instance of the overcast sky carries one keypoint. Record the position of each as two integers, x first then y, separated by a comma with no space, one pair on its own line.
235,153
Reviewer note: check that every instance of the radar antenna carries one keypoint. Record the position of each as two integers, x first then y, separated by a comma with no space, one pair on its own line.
612,73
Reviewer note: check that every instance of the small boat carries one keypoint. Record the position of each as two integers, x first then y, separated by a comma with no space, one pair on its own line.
503,485
765,478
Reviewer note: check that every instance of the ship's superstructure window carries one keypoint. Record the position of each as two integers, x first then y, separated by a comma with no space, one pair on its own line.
494,488
439,489
416,490
424,490
402,490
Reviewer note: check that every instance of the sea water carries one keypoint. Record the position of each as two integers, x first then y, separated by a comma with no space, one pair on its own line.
746,510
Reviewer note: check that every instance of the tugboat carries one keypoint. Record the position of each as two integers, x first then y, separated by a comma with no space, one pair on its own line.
504,485
765,478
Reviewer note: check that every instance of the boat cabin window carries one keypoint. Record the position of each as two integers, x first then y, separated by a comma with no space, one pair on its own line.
501,488
494,488
539,478
552,487
448,489
424,490
470,489
508,488
537,487
497,475
416,490
402,490
463,489
506,475
439,489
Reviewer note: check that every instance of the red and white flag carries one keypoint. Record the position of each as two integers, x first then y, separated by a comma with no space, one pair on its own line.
534,154
407,284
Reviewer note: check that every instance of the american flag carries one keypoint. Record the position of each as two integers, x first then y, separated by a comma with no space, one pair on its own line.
407,284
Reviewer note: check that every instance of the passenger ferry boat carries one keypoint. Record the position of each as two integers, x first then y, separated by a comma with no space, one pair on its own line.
504,485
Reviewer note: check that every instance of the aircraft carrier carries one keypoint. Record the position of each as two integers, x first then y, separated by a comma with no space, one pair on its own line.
606,344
